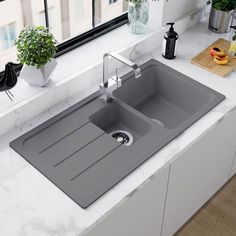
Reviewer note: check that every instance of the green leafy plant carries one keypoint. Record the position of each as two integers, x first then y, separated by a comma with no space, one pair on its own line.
224,5
35,46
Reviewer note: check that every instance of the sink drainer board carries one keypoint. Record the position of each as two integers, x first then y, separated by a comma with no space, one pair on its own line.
76,152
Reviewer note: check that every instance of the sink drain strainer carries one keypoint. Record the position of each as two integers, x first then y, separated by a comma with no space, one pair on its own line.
123,137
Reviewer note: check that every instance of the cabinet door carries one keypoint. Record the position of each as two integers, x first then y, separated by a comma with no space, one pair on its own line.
197,174
140,215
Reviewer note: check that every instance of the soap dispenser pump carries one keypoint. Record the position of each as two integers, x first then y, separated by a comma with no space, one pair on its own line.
170,43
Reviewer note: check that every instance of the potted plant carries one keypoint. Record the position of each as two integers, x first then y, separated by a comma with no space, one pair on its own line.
138,15
36,47
221,15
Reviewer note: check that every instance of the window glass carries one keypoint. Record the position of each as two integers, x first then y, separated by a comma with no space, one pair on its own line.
54,27
7,36
106,10
14,16
67,19
80,9
112,1
77,18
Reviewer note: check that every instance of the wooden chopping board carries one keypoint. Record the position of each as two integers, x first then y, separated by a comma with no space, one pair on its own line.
205,60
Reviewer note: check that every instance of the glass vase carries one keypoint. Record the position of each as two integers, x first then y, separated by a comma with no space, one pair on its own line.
138,15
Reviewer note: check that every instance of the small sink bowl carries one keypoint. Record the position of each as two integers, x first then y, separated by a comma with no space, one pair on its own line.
114,117
166,96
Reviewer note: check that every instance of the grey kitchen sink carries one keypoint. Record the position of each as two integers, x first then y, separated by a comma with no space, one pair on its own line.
90,147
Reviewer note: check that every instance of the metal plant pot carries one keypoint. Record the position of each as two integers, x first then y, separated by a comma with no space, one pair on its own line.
220,21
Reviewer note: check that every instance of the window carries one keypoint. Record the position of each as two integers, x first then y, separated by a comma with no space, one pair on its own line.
73,22
80,9
7,36
112,1
55,28
106,10
42,21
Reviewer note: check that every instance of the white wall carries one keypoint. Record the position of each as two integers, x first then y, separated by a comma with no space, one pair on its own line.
163,11
155,13
175,9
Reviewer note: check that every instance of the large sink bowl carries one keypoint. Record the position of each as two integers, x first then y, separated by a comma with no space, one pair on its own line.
167,96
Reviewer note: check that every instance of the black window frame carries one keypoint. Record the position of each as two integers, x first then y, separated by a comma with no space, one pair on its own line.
112,1
83,38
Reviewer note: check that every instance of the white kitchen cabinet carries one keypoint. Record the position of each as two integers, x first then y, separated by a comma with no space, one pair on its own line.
140,215
198,173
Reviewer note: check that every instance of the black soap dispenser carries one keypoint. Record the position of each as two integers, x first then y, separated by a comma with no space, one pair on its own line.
170,43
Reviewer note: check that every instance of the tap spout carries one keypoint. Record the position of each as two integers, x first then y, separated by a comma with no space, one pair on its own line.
135,67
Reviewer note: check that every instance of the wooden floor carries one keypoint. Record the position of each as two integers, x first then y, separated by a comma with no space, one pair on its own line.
217,218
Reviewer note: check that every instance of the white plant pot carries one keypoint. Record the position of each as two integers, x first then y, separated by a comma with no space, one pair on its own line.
38,77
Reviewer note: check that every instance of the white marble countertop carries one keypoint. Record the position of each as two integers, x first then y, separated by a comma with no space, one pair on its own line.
31,205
